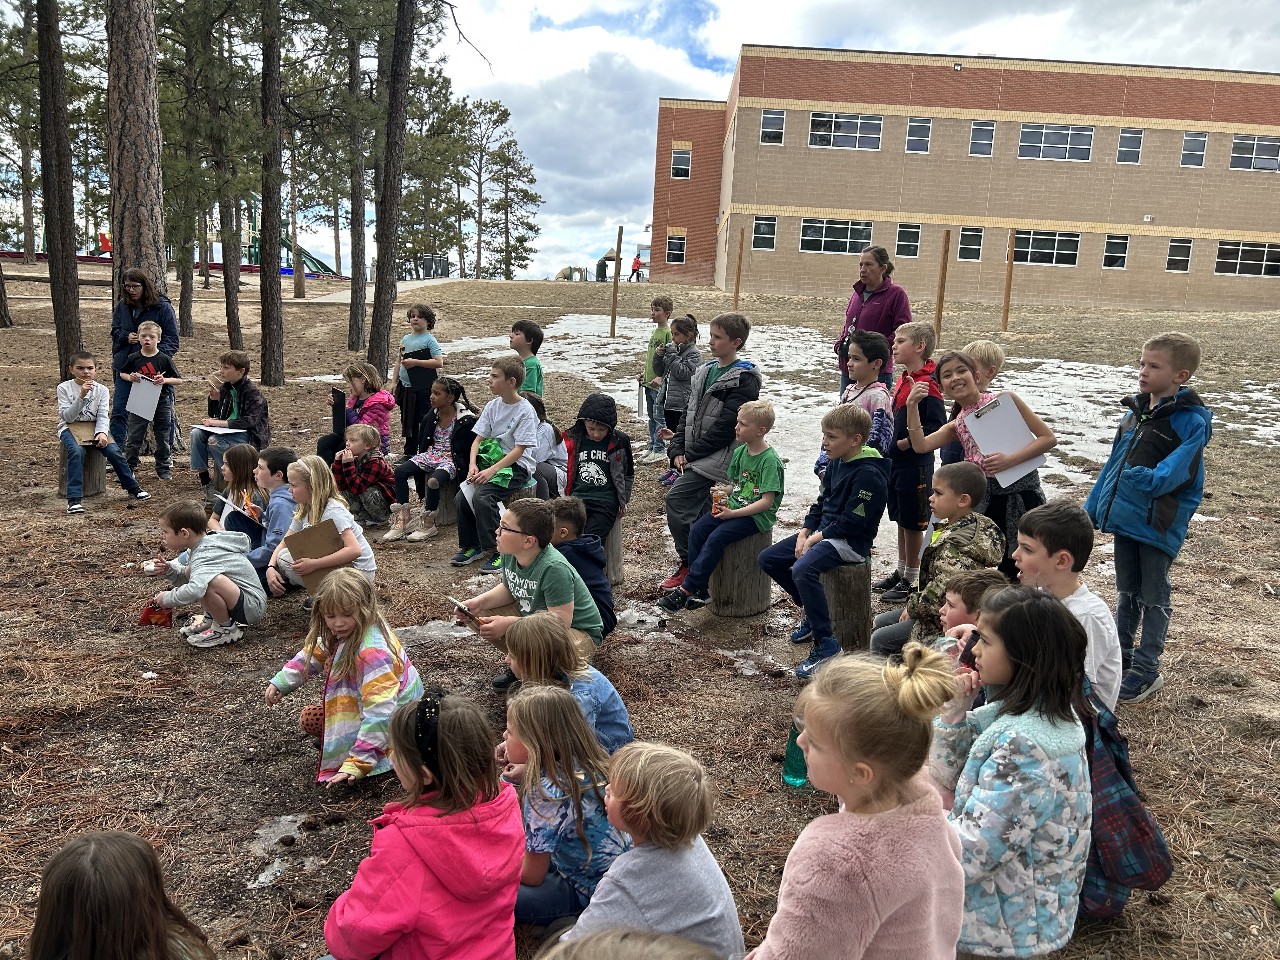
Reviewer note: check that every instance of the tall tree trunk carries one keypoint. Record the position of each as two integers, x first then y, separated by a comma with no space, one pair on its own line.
480,165
462,242
206,248
355,317
230,236
384,291
186,232
299,267
337,233
271,365
55,180
507,272
26,171
134,142
5,319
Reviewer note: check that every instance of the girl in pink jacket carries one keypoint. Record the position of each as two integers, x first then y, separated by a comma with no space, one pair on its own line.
441,877
367,403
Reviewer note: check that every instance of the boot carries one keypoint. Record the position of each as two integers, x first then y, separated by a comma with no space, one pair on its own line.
427,529
400,521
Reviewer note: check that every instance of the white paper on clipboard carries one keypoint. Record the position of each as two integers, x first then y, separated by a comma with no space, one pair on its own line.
997,427
144,396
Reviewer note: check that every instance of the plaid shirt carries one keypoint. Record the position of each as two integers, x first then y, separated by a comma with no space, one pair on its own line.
371,470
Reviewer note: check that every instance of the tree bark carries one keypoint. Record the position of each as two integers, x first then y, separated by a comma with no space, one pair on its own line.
55,180
206,248
337,233
6,320
186,233
355,316
384,291
299,267
230,236
271,364
26,173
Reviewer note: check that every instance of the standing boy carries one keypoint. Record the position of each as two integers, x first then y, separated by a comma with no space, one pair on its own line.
507,429
235,402
83,400
868,359
272,477
1146,494
839,528
911,473
755,494
1054,543
364,477
526,338
418,363
660,313
150,363
700,450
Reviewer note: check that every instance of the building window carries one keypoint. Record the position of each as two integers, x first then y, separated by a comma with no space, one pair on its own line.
772,125
1130,148
764,233
1115,255
681,162
1193,147
1046,247
834,236
908,240
919,130
675,249
1055,141
970,244
1179,260
848,131
1248,259
982,138
1255,153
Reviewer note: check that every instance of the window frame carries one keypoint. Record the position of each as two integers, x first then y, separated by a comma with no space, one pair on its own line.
1270,258
961,246
927,123
985,125
1170,257
829,223
770,113
857,119
688,168
682,240
1124,257
1194,137
1253,141
1121,149
756,223
1060,240
1070,130
899,242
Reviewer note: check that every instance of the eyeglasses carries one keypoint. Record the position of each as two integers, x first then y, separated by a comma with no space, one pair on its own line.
133,286
518,533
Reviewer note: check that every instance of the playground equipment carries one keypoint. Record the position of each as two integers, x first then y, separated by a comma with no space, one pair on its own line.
568,273
251,238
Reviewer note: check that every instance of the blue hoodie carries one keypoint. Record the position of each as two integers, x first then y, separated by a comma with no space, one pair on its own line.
280,510
1153,481
586,555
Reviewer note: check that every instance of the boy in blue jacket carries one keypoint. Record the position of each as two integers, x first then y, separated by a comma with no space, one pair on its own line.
839,528
585,554
271,475
1146,495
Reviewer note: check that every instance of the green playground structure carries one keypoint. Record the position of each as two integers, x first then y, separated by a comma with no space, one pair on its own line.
311,264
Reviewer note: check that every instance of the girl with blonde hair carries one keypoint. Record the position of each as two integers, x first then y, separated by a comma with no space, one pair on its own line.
367,403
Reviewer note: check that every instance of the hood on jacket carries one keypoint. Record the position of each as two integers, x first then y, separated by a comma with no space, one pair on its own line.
1185,400
977,536
224,542
379,398
737,372
601,408
588,546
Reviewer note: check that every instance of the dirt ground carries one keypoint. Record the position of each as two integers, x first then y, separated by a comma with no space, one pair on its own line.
105,724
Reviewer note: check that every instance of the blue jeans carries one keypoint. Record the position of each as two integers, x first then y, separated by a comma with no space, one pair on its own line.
1144,595
650,402
205,445
802,578
552,899
75,466
709,538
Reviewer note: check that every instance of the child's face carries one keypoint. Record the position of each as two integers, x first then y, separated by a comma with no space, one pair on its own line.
657,314
497,382
906,351
1035,563
300,490
721,347
510,661
174,541
986,375
148,341
263,476
357,447
517,752
231,374
357,387
84,370
401,767
339,625
839,445
440,398
226,471
990,655
954,612
958,382
1157,376
519,342
680,338
614,791
417,324
596,430
946,503
826,767
862,370
747,430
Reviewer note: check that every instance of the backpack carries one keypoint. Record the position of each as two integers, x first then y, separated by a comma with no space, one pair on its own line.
1127,851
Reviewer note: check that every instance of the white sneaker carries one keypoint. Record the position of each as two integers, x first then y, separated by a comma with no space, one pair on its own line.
217,635
197,624
399,523
655,456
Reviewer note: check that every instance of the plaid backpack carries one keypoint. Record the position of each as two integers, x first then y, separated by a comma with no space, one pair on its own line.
1127,851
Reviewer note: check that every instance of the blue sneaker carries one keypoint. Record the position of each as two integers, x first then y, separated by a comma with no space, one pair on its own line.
1136,687
823,650
464,557
493,564
802,633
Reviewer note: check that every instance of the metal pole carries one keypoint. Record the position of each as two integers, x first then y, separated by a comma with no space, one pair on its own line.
617,271
1008,285
737,276
942,284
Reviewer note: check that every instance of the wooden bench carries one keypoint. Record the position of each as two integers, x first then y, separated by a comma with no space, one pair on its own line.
95,471
848,590
613,554
738,587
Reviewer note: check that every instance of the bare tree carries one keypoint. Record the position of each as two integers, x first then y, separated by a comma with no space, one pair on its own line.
271,370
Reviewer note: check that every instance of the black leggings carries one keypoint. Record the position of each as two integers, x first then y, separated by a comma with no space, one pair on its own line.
420,477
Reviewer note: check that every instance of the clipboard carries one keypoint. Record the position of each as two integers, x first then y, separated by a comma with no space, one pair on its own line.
144,396
339,416
312,543
84,431
243,512
219,430
420,378
997,427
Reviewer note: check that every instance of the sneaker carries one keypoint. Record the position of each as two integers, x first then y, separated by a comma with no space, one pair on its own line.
802,633
308,603
164,474
493,564
505,680
676,578
888,583
655,456
217,635
897,594
697,601
464,557
822,651
75,506
669,478
674,600
141,495
1136,687
399,523
197,624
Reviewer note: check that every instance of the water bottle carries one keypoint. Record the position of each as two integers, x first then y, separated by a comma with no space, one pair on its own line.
795,772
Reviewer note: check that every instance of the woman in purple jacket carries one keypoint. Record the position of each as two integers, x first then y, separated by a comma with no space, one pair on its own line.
877,304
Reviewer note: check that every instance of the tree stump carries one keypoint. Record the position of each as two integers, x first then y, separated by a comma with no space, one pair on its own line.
848,590
613,554
95,471
447,512
738,587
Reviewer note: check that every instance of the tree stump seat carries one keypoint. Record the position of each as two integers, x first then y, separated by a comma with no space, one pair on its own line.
738,587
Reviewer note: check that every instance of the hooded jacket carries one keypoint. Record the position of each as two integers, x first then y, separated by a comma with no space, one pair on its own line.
706,437
970,543
245,399
222,552
586,555
123,324
676,364
376,412
851,499
459,443
1153,481
434,886
601,408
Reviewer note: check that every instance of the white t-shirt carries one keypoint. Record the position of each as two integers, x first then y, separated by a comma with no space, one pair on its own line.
1102,658
511,424
342,519
556,454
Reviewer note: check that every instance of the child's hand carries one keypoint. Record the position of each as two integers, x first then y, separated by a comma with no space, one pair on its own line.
961,631
101,440
995,462
919,391
275,582
513,772
968,683
305,565
680,463
495,628
344,455
159,566
273,695
483,476
85,387
666,434
158,599
500,753
338,778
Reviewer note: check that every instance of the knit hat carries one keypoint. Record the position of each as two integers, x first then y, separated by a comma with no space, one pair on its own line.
600,408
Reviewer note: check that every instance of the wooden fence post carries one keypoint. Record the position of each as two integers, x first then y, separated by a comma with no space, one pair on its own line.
737,276
942,284
617,275
1008,284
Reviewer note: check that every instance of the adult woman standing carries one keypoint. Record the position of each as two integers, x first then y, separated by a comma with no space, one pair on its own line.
877,305
139,302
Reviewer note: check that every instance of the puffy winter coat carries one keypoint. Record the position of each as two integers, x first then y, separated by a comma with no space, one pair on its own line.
706,437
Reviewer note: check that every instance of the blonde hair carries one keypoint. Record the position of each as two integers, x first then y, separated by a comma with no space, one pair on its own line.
366,434
315,473
542,649
880,713
758,412
663,791
623,944
346,592
848,419
1183,351
360,370
986,353
562,748
920,333
149,326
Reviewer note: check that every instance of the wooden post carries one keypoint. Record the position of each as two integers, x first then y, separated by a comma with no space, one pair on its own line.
942,284
613,554
738,587
1008,285
848,590
737,276
617,275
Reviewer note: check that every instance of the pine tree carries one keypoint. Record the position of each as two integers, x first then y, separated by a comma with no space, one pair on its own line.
488,122
512,229
271,367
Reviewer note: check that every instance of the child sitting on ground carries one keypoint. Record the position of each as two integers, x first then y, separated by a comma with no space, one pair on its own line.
989,358
418,362
443,870
1018,768
83,400
962,597
272,477
217,575
668,882
157,367
883,876
367,403
1054,543
962,540
367,675
569,842
551,457
755,495
235,404
839,528
102,896
364,477
601,471
868,359
675,364
241,503
585,554
526,339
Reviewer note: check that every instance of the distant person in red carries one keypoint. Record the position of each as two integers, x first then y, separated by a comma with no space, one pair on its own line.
636,265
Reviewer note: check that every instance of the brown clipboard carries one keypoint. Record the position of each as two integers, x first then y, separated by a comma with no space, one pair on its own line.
84,431
312,543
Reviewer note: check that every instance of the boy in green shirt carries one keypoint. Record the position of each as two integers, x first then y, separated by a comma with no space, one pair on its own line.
660,314
526,338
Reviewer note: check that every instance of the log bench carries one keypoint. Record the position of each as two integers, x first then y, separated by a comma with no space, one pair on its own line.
848,590
95,471
738,587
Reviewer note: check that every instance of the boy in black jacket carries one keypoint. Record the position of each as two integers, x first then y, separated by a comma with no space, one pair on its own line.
601,472
585,554
838,529
235,404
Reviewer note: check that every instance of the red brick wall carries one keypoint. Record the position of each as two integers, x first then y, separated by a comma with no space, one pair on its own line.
694,203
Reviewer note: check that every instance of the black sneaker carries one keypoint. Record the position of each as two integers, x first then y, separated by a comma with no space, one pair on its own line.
673,600
505,680
888,583
75,506
697,601
898,594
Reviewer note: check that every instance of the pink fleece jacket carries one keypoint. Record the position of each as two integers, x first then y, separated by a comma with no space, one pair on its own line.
434,886
376,412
